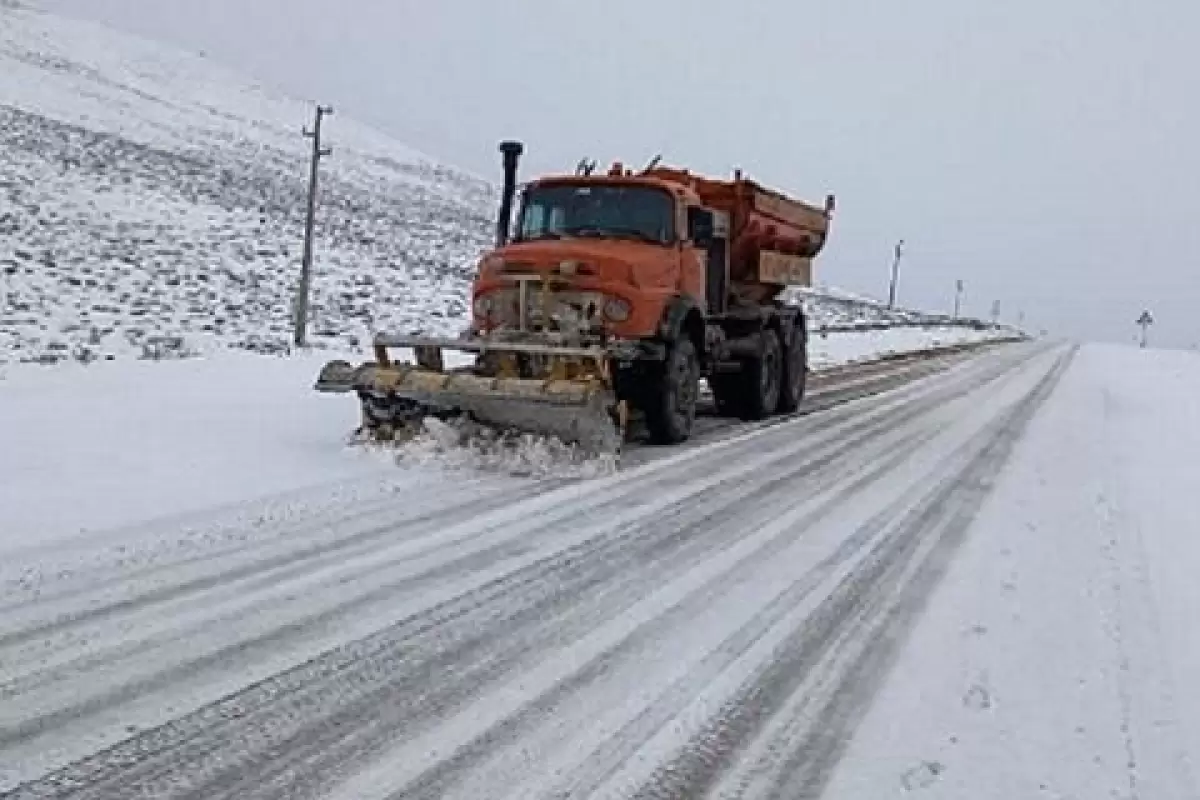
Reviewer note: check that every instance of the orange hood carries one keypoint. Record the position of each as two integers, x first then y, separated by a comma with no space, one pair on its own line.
600,260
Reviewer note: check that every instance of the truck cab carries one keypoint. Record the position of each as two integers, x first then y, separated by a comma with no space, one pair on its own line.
612,253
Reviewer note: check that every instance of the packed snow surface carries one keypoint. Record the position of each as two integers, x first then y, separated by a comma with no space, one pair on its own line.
977,584
698,624
1059,658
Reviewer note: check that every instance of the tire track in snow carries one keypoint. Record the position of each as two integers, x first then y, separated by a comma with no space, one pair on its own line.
826,389
584,785
871,425
396,719
436,782
885,598
221,573
55,612
480,785
491,622
620,746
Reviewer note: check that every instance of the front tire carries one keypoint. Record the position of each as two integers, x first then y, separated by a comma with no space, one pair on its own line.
671,410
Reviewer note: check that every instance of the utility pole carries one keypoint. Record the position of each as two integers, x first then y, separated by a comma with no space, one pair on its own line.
1145,320
318,152
958,293
895,274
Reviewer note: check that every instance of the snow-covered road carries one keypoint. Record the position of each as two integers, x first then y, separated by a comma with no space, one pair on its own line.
1060,658
710,621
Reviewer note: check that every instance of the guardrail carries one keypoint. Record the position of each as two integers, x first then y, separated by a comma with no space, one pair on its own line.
915,354
883,325
877,317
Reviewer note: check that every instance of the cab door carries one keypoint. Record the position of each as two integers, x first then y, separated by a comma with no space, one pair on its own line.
709,251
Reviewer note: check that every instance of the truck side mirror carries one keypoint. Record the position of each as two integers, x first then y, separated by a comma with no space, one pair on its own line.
700,226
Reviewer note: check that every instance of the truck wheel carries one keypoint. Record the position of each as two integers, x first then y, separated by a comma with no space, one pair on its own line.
761,379
795,372
727,393
671,410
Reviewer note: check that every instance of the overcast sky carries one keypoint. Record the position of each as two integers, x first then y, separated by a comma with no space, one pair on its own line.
1044,151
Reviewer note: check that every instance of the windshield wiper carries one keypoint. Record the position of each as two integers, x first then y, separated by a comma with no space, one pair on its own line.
614,231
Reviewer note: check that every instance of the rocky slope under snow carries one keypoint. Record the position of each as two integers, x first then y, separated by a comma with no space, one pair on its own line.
146,193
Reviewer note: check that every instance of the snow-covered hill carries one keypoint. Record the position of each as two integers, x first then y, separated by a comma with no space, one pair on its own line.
145,191
148,195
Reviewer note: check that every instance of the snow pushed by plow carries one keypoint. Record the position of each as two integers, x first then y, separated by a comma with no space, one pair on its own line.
461,444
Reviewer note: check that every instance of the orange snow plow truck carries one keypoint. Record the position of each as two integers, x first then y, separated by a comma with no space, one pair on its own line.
597,313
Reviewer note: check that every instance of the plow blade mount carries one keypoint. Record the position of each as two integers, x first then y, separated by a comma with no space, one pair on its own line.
396,398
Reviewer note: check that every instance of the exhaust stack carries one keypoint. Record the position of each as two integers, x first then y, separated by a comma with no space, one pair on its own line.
511,153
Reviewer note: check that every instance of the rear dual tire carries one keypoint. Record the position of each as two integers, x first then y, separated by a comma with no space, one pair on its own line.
772,382
794,372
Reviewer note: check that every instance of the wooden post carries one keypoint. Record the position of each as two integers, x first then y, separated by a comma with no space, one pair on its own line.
302,294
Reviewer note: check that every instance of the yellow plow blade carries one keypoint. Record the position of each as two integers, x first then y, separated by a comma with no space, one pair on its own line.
582,411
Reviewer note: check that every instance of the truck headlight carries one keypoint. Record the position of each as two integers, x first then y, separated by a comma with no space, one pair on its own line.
616,309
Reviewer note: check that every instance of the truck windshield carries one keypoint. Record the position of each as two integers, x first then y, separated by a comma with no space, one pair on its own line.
605,211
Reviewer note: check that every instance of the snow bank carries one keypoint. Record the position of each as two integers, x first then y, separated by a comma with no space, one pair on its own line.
87,448
1057,660
92,447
